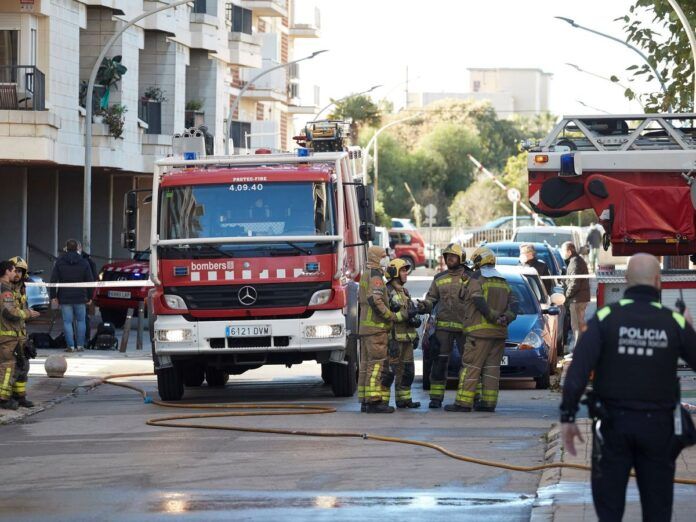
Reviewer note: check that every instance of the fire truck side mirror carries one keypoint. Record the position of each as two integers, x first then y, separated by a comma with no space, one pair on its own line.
130,220
366,203
367,232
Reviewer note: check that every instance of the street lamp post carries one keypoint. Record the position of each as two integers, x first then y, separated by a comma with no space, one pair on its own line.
87,188
373,141
235,104
657,75
690,33
316,118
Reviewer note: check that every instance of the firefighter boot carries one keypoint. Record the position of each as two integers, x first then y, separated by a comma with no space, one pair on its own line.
9,404
379,407
435,403
479,407
408,404
457,408
23,402
363,407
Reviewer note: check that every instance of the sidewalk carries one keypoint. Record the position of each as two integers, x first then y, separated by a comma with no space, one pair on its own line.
565,495
84,368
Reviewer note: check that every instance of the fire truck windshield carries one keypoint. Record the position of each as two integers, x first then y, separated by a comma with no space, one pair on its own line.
247,210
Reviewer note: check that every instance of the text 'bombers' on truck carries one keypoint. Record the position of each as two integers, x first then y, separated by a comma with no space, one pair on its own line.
255,261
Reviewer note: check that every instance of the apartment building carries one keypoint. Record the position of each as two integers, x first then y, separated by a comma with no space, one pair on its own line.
509,90
184,67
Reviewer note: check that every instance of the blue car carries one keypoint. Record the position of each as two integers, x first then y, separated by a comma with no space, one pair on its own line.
530,349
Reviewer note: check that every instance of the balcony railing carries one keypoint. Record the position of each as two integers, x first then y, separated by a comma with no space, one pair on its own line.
22,88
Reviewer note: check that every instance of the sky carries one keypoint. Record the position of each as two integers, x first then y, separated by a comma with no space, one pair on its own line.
373,42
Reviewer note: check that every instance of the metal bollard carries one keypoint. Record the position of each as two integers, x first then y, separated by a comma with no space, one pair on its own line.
126,331
141,325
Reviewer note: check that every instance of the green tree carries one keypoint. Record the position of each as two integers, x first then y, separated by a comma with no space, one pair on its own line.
666,44
361,110
476,205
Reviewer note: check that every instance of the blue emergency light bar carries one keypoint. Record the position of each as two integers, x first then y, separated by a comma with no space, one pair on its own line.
568,164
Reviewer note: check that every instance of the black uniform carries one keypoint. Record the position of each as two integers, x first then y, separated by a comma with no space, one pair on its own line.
633,347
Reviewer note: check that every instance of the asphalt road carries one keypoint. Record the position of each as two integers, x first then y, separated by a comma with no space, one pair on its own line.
94,458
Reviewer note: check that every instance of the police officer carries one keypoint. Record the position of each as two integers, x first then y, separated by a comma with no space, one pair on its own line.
446,295
23,352
10,327
376,320
490,307
403,336
633,347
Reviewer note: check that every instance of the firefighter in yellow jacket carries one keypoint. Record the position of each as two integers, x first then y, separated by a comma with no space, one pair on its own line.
403,336
445,296
11,318
490,307
23,352
376,320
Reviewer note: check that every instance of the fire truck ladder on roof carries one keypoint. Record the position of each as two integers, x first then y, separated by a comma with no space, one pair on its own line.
622,133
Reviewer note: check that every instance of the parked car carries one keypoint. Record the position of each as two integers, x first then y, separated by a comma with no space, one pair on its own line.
408,245
37,296
404,223
530,349
545,252
114,303
554,236
499,229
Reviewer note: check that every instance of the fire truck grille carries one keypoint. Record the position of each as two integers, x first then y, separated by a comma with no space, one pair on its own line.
284,295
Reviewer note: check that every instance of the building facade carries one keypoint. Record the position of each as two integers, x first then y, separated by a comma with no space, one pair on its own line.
184,67
510,91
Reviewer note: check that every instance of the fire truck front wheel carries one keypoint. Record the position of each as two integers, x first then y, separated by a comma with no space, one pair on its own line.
216,378
344,380
170,384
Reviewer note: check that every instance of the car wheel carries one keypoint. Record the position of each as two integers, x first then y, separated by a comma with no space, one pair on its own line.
543,382
115,316
170,384
216,378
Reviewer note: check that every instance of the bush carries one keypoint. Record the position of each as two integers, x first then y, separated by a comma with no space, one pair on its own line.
113,117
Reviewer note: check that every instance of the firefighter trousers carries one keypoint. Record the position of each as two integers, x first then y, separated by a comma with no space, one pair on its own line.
362,371
404,371
378,377
439,356
21,374
480,360
7,368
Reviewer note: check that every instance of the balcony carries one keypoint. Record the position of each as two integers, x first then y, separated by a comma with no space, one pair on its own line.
22,88
310,29
298,106
275,8
270,87
204,25
244,50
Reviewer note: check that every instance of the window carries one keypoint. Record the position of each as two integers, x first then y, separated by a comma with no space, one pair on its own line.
238,132
240,18
9,55
477,86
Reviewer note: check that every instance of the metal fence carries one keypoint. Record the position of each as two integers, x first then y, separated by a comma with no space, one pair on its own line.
22,88
468,238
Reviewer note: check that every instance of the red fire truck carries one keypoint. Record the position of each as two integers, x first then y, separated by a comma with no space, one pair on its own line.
255,260
636,172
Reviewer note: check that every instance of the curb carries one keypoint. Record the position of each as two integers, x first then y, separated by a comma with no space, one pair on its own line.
13,417
543,509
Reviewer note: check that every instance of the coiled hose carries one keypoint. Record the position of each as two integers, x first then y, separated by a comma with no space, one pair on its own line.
174,421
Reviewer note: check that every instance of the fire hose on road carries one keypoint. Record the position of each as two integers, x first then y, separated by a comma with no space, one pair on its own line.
256,410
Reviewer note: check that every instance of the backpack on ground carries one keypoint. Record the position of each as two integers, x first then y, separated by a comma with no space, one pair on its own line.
41,340
104,338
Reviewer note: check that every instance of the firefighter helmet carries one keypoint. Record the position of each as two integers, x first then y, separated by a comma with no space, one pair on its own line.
20,263
455,249
483,256
395,266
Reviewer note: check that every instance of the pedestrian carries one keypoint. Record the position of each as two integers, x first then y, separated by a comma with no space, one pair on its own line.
577,289
632,347
10,327
528,257
445,298
23,351
490,307
375,377
70,267
403,336
594,241
93,268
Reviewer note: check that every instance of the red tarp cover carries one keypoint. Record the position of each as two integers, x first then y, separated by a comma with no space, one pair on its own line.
654,213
